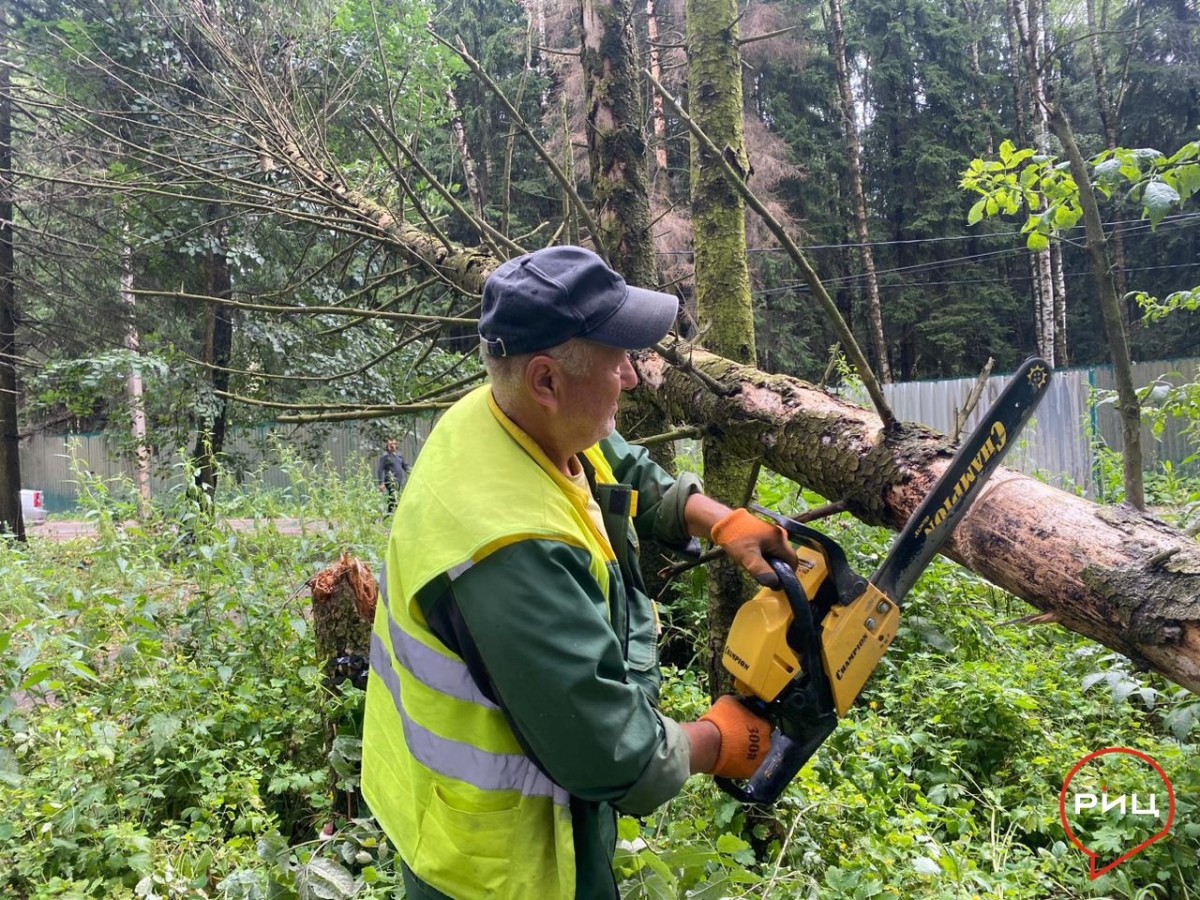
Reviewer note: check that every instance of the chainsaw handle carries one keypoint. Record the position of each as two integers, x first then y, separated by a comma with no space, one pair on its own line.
785,758
816,720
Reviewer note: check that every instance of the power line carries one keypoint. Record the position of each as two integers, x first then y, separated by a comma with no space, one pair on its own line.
1136,225
931,265
802,288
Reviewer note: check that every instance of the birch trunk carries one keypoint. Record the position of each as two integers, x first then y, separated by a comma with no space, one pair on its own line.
883,368
11,520
133,386
1026,22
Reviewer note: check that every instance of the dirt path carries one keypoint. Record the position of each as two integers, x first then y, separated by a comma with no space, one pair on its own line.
67,530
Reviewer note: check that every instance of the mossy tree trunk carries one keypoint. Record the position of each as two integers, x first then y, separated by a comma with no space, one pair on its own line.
620,190
723,303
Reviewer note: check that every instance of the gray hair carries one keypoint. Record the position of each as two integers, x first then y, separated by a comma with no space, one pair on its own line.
507,372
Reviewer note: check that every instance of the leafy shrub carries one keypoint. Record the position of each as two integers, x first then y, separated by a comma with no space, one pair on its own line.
162,735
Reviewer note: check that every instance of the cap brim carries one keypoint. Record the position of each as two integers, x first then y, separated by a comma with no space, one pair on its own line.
641,321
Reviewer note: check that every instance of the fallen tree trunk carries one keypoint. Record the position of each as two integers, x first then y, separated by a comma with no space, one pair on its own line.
1112,574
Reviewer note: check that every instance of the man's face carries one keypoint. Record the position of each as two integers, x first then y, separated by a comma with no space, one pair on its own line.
391,446
590,410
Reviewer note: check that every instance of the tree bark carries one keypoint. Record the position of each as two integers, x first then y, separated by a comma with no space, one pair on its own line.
218,351
616,143
11,520
1120,577
1026,28
1110,307
723,302
133,385
657,113
1109,108
854,160
474,191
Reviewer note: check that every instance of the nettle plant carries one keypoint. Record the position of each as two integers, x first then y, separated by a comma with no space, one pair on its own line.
161,705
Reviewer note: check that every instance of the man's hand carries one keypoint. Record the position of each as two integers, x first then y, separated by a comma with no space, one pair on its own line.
745,738
747,540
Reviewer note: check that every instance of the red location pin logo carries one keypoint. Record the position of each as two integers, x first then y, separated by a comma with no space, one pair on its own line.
1144,803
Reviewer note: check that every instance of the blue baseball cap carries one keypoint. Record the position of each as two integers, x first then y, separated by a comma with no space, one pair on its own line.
548,297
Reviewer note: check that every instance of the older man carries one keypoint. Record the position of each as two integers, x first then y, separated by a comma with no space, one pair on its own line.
512,700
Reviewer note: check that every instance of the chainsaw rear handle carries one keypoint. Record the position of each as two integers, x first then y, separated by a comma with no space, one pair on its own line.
807,711
783,761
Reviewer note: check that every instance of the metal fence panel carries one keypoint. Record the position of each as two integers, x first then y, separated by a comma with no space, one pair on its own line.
1057,444
51,462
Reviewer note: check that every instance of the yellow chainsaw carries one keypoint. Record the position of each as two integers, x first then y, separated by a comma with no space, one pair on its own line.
801,654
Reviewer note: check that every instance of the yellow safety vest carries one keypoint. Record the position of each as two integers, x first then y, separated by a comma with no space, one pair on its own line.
470,813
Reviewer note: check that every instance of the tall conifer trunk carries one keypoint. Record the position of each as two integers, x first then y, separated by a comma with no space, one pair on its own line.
854,154
615,139
11,520
723,302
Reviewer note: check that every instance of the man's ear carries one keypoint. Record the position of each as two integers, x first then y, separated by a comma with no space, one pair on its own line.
543,381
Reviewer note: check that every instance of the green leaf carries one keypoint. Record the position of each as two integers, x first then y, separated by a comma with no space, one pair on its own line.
651,861
730,843
1066,216
1180,721
1158,199
926,866
627,829
324,879
1037,242
83,670
976,213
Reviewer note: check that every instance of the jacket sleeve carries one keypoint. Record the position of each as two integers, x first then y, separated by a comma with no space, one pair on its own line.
540,626
661,498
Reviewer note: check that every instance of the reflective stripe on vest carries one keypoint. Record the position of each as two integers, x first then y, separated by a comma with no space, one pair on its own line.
486,771
445,674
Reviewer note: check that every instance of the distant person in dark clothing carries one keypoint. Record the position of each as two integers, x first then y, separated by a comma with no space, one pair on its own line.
390,472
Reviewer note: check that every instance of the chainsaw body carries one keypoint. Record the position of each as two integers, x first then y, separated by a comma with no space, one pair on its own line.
855,633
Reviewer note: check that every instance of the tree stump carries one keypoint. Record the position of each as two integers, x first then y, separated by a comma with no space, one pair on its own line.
343,599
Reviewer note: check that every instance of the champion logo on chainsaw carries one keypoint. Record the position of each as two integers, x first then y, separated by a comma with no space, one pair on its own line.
995,443
737,659
849,659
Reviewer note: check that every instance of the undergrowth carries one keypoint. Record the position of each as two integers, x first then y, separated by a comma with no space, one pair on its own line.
162,738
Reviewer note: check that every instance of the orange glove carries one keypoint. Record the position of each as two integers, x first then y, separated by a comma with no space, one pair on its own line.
745,738
746,539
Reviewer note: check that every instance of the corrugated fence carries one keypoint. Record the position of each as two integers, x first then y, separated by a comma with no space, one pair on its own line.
1058,442
50,462
1056,445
